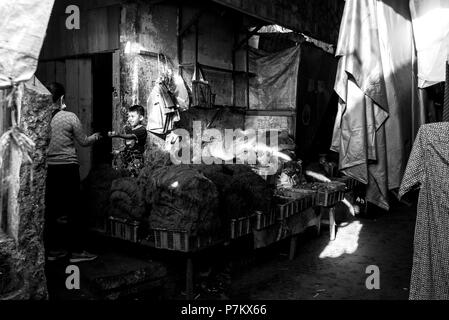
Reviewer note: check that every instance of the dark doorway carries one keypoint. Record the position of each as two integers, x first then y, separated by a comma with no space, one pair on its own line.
102,106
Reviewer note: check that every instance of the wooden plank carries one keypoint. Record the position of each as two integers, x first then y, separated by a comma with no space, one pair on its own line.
97,25
193,21
99,30
332,224
41,72
2,111
65,43
71,95
50,72
189,278
60,72
116,105
113,28
85,97
93,4
83,45
293,243
285,113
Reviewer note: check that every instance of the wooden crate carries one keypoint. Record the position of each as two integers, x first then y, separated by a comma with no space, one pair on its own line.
293,206
124,229
262,220
306,202
327,194
328,198
177,240
241,226
350,183
296,193
286,209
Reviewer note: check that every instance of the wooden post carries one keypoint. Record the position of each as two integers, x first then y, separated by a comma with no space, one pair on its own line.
293,243
196,44
318,223
247,75
2,125
189,278
179,37
332,225
233,72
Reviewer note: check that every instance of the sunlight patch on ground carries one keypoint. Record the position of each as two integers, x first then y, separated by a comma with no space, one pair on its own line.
346,241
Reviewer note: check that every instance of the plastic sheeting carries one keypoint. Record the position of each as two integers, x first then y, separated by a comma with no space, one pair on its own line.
22,30
430,20
378,112
275,86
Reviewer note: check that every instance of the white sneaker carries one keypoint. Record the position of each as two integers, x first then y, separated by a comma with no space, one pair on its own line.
82,256
54,255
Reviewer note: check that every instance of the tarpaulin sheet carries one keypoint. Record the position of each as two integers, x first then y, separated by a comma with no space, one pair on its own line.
275,85
22,31
378,109
430,20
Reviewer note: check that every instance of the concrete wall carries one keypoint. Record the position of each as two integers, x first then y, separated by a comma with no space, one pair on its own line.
153,28
21,241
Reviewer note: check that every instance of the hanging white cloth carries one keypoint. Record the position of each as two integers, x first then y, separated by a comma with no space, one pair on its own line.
22,31
375,124
430,20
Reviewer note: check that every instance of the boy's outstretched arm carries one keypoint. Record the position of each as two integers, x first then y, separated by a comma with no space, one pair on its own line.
126,136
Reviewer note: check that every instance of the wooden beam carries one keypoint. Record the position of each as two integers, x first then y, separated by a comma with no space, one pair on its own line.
154,2
212,68
149,53
280,113
192,21
179,46
248,36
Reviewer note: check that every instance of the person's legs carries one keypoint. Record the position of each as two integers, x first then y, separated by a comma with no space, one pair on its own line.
74,236
53,195
77,221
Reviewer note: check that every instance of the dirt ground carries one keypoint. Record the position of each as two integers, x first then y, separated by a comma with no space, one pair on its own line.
324,269
321,269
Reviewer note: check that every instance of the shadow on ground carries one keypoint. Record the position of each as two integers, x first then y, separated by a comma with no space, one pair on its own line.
324,269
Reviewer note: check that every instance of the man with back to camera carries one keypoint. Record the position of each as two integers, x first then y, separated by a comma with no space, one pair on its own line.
63,181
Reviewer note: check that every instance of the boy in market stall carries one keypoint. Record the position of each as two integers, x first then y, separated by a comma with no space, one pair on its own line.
135,136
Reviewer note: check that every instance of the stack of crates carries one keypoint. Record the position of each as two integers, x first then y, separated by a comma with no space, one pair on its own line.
177,240
241,226
124,229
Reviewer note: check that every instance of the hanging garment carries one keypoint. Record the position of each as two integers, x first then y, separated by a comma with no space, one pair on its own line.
428,167
162,110
430,20
376,87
